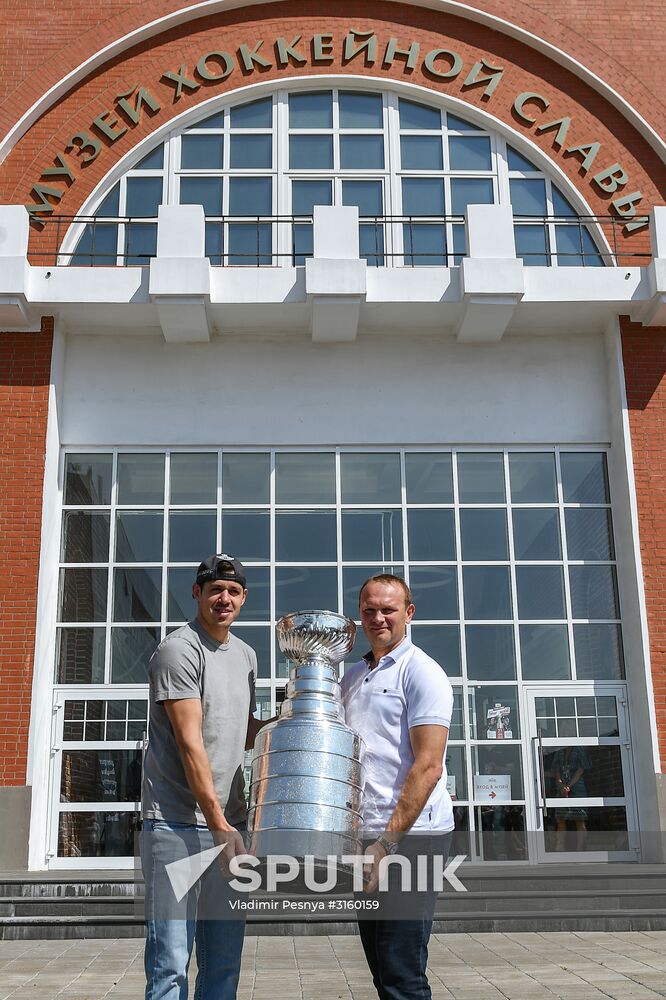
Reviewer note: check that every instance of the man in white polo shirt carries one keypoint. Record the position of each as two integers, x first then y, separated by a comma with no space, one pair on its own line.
400,701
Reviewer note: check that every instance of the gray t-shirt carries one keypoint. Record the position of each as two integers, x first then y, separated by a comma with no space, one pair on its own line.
191,664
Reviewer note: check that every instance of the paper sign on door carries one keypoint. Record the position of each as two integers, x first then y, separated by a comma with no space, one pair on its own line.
492,787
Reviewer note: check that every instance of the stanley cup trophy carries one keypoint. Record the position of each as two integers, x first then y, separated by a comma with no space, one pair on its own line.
306,787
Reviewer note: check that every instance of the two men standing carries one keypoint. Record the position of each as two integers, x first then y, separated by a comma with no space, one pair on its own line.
201,719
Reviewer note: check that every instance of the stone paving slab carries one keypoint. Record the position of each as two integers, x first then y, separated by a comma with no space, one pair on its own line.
509,966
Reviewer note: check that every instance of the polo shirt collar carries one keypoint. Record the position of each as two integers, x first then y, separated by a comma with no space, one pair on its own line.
391,657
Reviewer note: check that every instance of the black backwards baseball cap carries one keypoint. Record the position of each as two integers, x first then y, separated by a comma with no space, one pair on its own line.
221,567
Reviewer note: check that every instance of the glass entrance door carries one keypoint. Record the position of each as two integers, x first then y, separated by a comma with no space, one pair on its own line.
580,759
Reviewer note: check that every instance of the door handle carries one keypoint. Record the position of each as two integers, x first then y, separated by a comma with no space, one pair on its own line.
542,774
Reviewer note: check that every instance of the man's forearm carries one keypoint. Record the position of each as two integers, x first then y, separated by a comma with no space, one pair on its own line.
415,792
200,781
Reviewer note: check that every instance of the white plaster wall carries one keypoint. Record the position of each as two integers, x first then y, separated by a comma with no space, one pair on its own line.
377,390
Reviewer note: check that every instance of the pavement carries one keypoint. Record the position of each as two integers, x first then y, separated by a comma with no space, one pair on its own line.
500,966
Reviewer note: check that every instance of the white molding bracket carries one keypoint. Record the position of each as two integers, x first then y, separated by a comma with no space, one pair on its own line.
336,277
181,264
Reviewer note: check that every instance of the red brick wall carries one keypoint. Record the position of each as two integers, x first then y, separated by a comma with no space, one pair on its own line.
25,364
644,351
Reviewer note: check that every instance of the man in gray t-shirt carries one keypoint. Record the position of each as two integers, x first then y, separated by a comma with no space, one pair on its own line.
202,702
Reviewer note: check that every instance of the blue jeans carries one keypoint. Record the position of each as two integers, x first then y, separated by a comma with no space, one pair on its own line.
173,932
397,950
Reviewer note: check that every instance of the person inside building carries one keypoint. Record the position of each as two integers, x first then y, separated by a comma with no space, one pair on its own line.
202,684
400,701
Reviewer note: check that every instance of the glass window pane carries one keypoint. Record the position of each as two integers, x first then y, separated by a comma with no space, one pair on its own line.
544,651
371,535
137,594
500,760
491,655
528,196
593,592
206,191
245,477
192,535
360,110
533,477
486,719
250,244
589,533
370,478
256,114
470,191
576,248
435,591
442,643
487,593
432,535
584,477
131,649
561,207
484,535
82,595
85,537
258,603
459,244
366,195
305,477
110,206
456,124
144,194
456,773
300,588
532,245
97,247
153,160
214,232
259,638
598,652
481,477
140,479
305,536
419,116
422,196
311,110
362,152
519,162
421,152
80,656
193,477
303,244
536,533
246,534
97,834
353,578
371,244
251,151
180,603
213,121
88,479
140,244
424,245
250,196
201,152
306,194
138,536
470,152
540,592
100,775
311,152
429,477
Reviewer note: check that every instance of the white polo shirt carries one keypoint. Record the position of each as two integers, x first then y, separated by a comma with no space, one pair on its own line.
407,688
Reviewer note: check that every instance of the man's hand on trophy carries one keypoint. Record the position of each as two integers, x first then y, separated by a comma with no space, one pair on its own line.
234,844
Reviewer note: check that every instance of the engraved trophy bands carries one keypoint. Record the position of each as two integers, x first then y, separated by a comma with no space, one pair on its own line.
305,792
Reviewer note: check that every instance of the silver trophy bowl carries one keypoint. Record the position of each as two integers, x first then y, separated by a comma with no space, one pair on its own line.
306,784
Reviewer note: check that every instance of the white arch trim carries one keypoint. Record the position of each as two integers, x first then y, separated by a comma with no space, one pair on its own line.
208,7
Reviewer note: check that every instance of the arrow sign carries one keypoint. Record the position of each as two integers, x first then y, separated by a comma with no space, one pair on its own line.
185,873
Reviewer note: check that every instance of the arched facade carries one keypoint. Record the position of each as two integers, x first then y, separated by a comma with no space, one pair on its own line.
403,382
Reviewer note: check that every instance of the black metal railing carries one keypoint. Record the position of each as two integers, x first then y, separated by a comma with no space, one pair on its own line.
288,240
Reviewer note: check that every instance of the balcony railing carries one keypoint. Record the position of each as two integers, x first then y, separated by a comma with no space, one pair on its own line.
384,240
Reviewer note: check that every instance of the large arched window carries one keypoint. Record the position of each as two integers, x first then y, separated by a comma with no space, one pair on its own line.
259,167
